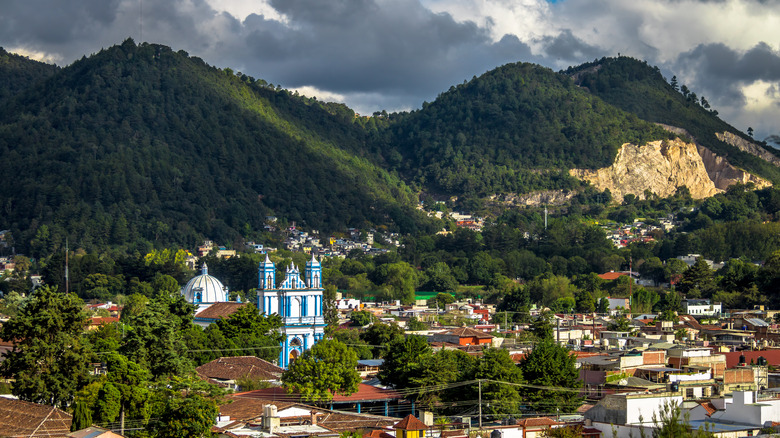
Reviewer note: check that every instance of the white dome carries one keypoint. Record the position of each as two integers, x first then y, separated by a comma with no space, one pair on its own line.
205,289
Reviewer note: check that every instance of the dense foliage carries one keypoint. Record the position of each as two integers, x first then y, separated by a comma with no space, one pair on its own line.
17,73
487,135
139,145
634,86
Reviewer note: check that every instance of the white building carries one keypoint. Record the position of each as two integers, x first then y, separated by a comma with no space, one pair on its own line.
205,289
298,302
701,307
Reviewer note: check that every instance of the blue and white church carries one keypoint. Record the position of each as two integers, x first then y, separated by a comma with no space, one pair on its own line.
299,303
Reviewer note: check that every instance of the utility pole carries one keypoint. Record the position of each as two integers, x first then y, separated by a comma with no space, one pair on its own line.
480,403
631,281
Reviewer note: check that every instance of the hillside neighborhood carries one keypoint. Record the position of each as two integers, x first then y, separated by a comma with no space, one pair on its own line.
715,364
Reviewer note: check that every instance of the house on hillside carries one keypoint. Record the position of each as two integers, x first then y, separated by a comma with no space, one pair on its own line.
464,336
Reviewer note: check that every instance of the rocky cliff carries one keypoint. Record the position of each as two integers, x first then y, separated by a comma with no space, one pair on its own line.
661,167
748,146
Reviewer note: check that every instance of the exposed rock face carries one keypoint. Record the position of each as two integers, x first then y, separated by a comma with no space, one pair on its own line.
748,146
662,167
543,197
724,174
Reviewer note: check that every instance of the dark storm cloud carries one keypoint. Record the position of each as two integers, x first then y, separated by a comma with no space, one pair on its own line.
721,71
55,23
566,47
367,45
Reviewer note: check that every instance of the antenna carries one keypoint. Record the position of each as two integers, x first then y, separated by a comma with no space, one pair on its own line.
66,266
141,21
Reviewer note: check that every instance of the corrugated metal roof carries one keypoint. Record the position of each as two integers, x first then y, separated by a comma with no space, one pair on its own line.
756,322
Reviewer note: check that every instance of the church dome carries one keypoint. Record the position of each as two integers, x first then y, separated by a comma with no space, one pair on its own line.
205,289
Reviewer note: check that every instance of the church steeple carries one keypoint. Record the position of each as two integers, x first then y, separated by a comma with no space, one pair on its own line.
266,274
314,273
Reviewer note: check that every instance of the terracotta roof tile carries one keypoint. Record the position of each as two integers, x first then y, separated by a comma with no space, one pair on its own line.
611,275
378,433
21,418
219,310
537,422
709,407
364,393
410,422
245,408
232,368
468,332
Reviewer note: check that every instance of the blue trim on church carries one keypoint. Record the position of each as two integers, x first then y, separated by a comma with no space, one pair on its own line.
298,301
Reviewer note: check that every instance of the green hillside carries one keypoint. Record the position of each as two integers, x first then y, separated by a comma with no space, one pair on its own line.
17,73
514,129
146,146
638,88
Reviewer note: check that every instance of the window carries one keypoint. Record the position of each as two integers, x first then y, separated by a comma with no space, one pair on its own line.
689,393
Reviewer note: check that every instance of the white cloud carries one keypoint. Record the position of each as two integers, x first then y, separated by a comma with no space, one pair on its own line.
240,9
37,55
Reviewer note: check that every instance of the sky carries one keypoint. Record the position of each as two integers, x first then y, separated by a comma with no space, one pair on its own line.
395,54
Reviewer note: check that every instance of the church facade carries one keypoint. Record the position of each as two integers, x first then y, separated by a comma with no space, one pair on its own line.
299,303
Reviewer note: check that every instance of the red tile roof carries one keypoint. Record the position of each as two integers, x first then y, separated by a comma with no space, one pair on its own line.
537,422
100,320
364,393
232,368
611,275
709,407
467,332
245,409
410,422
219,310
377,433
21,418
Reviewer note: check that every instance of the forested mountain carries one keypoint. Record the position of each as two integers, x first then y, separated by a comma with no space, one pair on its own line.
17,73
139,146
495,133
640,89
142,144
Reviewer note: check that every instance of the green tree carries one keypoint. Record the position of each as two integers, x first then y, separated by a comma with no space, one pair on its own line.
184,417
620,324
697,281
401,278
360,318
255,332
380,336
328,368
497,366
329,310
49,361
439,278
415,324
671,423
441,300
155,336
108,403
553,366
405,360
351,338
82,416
